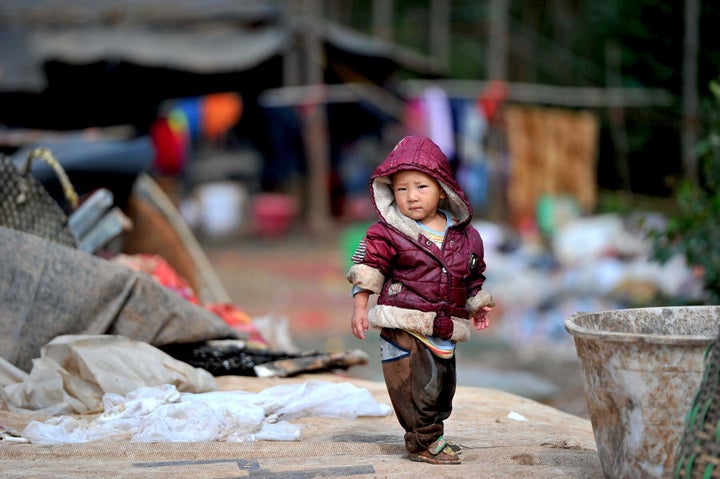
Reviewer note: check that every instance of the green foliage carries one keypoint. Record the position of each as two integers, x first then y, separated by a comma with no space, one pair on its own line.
694,231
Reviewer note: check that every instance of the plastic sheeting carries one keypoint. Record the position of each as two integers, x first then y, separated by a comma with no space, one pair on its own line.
162,414
74,372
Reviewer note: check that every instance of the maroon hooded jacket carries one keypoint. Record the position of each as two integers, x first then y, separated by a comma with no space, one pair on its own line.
414,278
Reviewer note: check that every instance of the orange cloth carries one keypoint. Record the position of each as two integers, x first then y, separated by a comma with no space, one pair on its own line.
239,320
157,267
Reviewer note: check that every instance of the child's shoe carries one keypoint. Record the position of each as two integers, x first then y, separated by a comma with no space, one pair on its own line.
456,448
439,452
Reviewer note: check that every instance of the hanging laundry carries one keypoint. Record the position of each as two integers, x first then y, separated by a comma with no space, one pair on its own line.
415,117
191,109
492,97
473,172
169,148
219,113
439,120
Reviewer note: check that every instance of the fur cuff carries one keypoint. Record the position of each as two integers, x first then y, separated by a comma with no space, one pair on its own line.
365,277
482,298
383,316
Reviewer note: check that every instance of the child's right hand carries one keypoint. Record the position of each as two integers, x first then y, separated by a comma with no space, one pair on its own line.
359,323
481,318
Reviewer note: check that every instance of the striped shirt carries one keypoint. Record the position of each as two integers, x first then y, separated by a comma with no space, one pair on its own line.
442,348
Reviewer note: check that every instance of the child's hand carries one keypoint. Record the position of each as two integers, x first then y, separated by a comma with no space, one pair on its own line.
359,322
481,318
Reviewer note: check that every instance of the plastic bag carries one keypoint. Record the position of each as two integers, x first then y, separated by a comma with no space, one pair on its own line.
311,399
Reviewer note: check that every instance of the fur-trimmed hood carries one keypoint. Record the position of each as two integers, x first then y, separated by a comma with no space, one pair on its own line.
421,154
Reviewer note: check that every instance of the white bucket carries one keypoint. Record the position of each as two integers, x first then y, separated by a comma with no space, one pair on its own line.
222,207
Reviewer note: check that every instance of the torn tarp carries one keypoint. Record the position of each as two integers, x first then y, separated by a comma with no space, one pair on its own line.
48,290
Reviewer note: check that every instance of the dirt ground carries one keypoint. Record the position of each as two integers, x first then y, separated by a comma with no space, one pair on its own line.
301,278
547,443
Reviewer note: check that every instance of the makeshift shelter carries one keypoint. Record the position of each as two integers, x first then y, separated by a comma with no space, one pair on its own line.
75,65
193,36
94,64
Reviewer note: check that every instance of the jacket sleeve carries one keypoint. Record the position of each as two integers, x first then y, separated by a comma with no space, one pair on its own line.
477,297
372,260
482,298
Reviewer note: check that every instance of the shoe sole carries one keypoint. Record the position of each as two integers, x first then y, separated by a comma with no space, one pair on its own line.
433,459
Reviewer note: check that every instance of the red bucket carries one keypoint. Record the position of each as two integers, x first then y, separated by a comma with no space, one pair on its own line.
273,214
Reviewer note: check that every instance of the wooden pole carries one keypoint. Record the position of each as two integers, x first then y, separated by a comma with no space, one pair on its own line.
315,128
440,33
498,40
690,89
291,55
574,97
382,18
616,113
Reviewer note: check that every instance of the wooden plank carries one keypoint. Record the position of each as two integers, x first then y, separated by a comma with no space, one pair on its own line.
532,93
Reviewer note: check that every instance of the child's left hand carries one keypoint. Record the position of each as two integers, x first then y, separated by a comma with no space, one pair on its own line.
481,318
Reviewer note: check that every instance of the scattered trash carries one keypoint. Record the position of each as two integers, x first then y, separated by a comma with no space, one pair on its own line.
591,263
10,435
241,358
516,416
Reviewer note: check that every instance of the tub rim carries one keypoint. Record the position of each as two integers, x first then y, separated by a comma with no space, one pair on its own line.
580,332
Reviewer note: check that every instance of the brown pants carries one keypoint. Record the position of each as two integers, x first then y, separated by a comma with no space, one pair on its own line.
421,387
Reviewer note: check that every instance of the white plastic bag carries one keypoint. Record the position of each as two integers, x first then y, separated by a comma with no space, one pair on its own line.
320,398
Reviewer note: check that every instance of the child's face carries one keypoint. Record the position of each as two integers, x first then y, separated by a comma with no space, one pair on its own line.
417,194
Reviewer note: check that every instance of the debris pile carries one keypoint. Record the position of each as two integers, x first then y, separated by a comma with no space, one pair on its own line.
592,263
